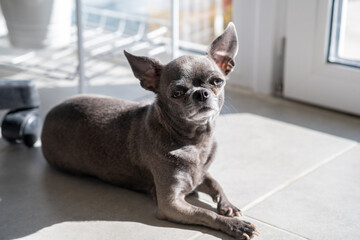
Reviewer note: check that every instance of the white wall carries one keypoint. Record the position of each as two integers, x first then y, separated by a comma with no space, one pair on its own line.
261,27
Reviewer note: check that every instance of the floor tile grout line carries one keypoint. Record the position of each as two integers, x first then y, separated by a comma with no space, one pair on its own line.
298,177
277,228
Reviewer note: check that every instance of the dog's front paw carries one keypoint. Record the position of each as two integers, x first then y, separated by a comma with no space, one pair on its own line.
242,230
225,208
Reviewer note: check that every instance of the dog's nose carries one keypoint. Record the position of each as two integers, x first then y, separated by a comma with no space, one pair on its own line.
201,95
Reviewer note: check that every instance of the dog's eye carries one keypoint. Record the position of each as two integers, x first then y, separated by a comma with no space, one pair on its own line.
217,82
178,93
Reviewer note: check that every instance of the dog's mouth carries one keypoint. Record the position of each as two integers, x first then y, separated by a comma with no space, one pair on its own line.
205,109
203,113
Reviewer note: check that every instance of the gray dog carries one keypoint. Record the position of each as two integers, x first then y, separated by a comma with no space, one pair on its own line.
164,148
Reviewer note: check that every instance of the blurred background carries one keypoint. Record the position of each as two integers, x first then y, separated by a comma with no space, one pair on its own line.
305,51
142,27
39,41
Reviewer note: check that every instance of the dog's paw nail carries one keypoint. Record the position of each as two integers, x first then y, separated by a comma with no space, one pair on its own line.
229,212
246,236
257,233
238,214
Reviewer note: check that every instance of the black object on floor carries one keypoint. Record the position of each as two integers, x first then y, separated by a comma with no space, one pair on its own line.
22,122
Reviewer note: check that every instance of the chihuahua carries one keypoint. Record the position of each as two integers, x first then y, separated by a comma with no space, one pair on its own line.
164,148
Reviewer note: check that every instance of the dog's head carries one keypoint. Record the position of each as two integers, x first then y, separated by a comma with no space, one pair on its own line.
190,87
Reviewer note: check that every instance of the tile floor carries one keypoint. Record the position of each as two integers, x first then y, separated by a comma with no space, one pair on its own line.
294,169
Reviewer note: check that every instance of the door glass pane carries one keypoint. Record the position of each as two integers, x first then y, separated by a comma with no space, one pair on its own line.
345,33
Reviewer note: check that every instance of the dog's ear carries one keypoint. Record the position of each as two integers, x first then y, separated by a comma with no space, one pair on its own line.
224,49
147,70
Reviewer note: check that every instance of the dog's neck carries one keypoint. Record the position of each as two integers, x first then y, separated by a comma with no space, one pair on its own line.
182,131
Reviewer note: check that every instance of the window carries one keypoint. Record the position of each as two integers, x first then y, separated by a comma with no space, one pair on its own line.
344,47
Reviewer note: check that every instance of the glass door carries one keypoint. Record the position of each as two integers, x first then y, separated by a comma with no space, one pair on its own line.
323,53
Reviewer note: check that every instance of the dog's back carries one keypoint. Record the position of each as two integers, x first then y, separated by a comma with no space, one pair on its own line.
90,135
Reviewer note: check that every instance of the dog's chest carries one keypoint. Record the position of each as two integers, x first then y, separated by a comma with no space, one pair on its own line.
192,164
192,155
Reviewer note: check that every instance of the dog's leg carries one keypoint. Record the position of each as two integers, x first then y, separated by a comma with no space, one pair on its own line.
212,187
172,206
178,210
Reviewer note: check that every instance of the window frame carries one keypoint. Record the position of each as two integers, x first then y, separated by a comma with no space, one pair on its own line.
334,38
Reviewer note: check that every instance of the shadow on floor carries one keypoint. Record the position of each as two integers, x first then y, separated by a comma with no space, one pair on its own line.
56,197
